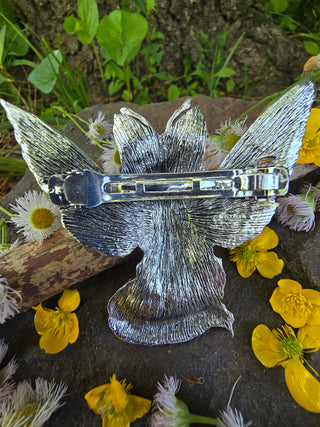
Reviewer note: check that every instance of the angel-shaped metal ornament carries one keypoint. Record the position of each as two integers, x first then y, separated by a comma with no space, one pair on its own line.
168,205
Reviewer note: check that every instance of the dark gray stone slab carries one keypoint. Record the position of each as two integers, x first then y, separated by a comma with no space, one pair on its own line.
261,394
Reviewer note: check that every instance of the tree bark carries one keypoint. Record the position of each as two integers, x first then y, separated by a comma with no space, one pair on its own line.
40,271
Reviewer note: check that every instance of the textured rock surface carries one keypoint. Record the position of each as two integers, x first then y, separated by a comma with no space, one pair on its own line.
271,58
219,358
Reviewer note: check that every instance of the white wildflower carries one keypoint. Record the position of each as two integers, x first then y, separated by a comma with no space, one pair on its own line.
111,162
218,146
8,300
214,154
231,417
6,383
100,129
7,247
36,216
31,407
169,411
298,211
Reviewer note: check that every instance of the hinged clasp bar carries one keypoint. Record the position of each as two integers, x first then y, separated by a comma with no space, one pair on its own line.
90,189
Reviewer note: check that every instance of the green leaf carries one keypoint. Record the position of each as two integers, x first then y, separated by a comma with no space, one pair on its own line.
141,5
121,33
136,82
127,95
173,92
88,12
164,75
3,79
312,48
115,86
44,76
230,85
225,72
113,70
17,46
11,164
70,25
279,6
87,27
157,35
23,62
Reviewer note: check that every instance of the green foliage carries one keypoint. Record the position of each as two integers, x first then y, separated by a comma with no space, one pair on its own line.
45,75
87,27
9,164
301,18
120,35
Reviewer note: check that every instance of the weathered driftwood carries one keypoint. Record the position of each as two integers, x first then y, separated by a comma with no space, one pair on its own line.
41,271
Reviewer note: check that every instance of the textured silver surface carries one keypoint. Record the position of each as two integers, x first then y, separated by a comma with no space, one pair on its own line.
177,292
90,189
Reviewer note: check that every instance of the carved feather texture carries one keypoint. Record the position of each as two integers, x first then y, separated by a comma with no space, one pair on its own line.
177,292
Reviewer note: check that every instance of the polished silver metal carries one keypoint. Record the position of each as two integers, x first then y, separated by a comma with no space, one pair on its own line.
179,285
91,189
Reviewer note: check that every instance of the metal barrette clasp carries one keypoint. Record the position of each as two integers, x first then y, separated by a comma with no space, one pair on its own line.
90,189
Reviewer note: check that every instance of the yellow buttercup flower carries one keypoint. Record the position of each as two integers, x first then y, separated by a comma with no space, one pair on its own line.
253,254
295,305
310,149
58,327
282,347
115,404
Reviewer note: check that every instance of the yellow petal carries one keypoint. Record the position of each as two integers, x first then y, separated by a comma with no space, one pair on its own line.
294,321
245,267
266,346
52,344
276,301
268,239
43,319
313,121
268,264
289,286
97,398
117,420
314,318
312,296
73,328
303,386
309,336
69,300
118,395
137,407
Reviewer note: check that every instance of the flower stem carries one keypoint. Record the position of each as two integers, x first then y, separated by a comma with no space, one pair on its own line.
202,420
6,212
99,65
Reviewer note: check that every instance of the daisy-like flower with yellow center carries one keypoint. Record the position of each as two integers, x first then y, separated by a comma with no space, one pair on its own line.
218,146
282,347
111,162
295,305
100,128
115,404
36,216
58,327
310,149
253,254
